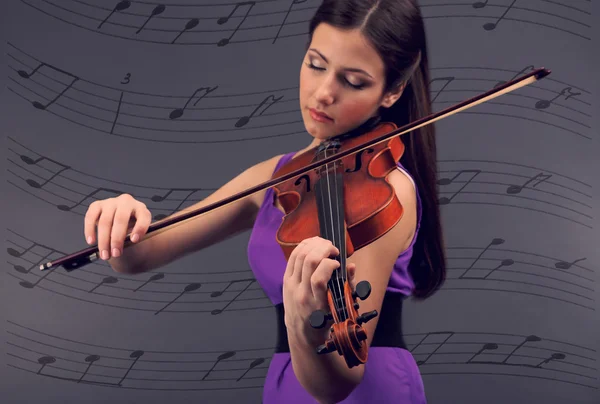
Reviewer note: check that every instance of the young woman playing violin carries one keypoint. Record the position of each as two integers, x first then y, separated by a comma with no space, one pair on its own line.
366,61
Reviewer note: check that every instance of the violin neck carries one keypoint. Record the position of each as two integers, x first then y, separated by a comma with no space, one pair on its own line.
329,196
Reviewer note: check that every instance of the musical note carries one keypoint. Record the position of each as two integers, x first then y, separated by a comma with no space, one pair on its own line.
567,265
245,119
189,288
496,241
135,355
480,4
224,20
176,113
553,357
515,189
120,6
38,104
294,2
543,104
153,278
450,334
490,26
68,208
448,80
109,280
159,9
30,161
530,67
90,360
254,364
503,263
17,254
192,23
219,293
221,357
446,181
486,347
45,360
530,338
117,114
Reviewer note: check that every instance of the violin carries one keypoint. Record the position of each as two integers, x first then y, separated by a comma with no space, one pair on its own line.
350,203
322,192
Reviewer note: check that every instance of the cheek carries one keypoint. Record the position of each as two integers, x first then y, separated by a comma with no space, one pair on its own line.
358,109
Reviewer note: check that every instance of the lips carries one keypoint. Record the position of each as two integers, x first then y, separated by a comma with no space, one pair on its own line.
319,116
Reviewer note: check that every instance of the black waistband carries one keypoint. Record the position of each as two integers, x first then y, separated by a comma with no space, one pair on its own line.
387,334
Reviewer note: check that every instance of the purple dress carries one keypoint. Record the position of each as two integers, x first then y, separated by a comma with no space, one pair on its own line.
391,374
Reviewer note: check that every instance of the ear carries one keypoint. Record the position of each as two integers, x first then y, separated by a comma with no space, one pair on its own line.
392,96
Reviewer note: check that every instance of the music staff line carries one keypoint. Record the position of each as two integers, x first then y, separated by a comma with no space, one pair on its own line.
475,189
511,188
179,111
507,258
255,32
542,103
489,353
115,122
216,95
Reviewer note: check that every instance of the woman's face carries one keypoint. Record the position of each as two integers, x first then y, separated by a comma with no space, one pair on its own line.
342,76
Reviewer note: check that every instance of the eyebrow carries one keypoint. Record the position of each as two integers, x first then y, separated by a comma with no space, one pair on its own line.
351,69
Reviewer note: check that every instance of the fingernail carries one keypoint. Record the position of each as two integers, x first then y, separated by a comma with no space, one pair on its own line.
89,239
104,254
135,238
116,252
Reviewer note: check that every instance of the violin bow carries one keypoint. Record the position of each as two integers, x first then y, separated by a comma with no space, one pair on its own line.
87,255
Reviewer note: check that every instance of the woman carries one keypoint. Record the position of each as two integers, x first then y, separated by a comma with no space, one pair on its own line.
366,60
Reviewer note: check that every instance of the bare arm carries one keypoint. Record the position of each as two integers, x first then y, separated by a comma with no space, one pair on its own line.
166,245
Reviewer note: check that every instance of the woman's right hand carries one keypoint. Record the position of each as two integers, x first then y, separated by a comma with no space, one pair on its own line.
114,219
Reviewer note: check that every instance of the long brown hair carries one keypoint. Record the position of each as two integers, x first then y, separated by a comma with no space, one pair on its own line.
396,30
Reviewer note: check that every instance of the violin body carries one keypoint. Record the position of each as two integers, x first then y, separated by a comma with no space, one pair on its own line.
370,202
351,203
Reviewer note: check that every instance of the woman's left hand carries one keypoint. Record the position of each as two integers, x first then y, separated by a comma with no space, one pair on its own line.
308,271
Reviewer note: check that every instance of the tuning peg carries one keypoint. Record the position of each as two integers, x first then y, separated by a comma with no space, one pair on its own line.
325,348
319,318
362,290
363,318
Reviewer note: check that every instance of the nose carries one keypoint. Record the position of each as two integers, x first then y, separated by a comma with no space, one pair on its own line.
326,91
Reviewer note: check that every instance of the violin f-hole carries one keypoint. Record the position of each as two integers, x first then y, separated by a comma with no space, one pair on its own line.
358,160
307,179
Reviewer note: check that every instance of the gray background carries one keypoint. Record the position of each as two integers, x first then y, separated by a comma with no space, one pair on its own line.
110,130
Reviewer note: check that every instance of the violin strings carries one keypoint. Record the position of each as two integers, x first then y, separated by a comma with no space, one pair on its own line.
340,297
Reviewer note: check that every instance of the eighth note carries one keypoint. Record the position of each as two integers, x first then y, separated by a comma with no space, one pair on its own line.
543,104
30,161
38,104
567,265
177,113
245,119
515,189
446,181
223,20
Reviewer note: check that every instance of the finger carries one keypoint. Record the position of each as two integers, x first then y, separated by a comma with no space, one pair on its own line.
143,219
325,251
320,278
120,225
105,229
289,269
350,270
303,253
90,220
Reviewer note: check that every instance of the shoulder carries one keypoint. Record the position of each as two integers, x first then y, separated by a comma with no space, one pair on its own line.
259,173
407,195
